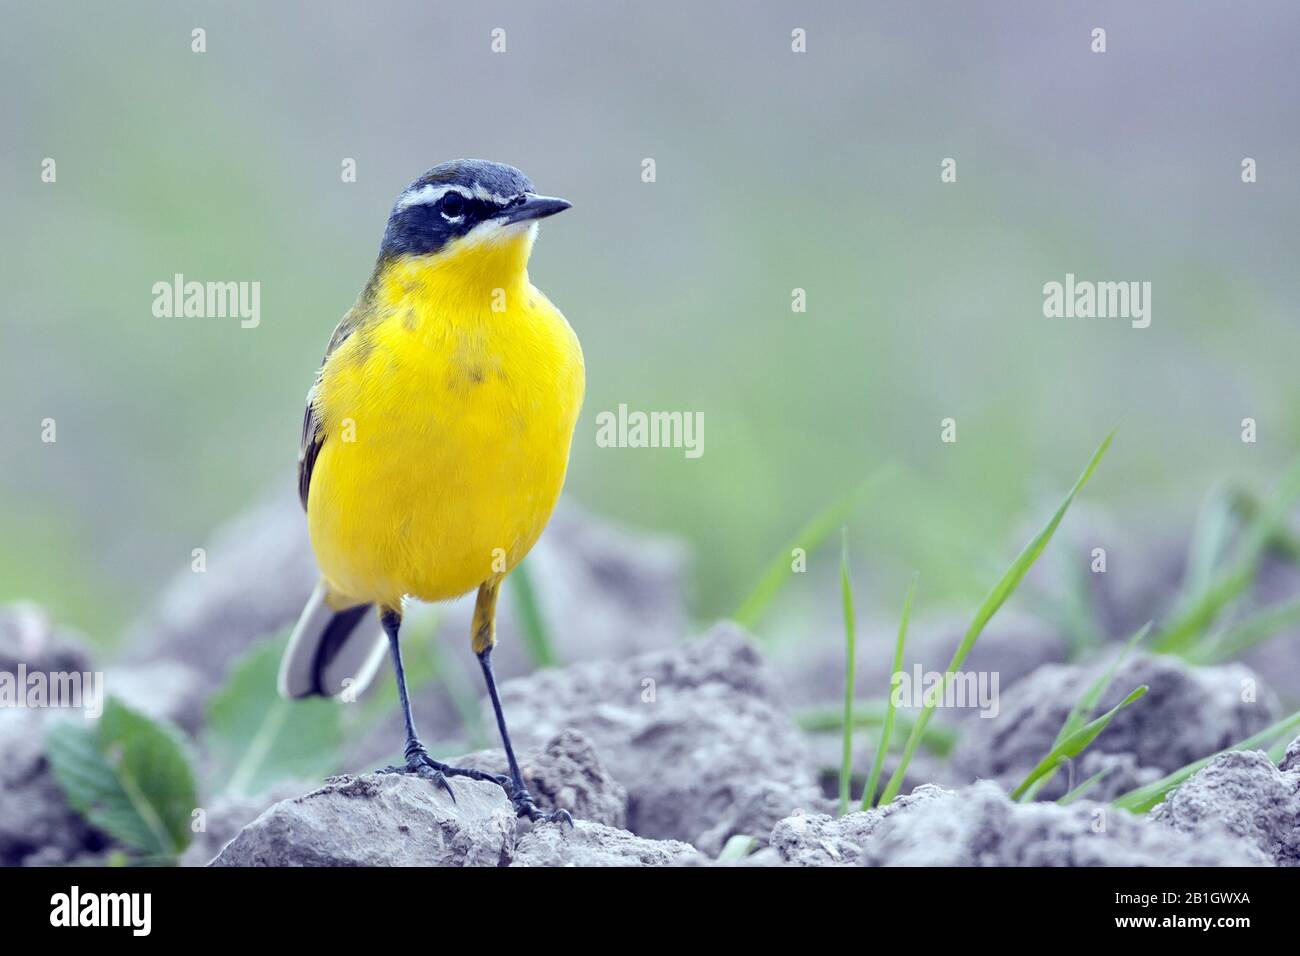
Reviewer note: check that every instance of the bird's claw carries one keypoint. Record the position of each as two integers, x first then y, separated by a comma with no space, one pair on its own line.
439,779
420,763
422,769
526,807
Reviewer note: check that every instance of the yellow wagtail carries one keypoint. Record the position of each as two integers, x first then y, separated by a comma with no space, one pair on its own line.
436,436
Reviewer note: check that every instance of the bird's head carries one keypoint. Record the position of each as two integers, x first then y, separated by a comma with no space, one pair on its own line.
470,212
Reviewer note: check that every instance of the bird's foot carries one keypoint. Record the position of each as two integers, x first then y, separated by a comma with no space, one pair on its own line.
420,763
525,806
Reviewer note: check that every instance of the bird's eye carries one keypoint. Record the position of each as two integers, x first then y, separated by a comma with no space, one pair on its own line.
453,205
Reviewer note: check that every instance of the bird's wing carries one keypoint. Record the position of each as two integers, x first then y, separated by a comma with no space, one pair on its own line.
308,447
309,444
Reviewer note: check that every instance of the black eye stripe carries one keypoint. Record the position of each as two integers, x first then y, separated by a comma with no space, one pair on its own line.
454,204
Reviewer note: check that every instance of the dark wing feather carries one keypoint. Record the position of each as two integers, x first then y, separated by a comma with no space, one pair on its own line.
308,447
309,444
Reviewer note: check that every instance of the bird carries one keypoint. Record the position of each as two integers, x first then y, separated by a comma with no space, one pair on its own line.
435,441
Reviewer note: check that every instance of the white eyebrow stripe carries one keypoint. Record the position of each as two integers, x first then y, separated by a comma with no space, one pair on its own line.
481,192
427,195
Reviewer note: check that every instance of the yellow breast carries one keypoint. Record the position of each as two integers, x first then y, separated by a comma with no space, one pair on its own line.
448,415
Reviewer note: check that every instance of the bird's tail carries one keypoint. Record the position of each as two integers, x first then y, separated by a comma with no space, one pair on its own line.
331,651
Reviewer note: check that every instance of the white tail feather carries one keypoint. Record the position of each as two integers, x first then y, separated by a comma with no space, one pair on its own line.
303,673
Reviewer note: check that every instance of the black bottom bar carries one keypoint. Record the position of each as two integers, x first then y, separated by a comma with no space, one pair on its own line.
325,906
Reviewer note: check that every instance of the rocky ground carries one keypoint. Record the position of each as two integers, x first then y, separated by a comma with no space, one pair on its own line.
669,749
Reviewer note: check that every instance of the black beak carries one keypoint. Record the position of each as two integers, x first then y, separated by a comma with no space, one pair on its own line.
533,207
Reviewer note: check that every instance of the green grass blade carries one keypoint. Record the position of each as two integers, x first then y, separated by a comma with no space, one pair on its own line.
1200,610
537,637
850,671
1074,744
939,739
1144,798
1068,798
737,848
995,599
1283,542
1083,708
1086,704
887,729
1261,626
462,690
810,538
1082,630
1209,541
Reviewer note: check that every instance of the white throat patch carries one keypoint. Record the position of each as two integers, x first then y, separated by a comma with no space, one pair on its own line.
494,230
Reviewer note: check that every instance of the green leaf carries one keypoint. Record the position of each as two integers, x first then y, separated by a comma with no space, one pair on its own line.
257,738
810,537
887,729
850,671
128,776
536,635
1144,798
995,599
1074,744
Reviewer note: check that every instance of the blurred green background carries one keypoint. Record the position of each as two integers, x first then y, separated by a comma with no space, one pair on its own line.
775,170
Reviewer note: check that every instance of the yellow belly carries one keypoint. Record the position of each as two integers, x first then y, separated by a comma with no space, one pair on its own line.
446,444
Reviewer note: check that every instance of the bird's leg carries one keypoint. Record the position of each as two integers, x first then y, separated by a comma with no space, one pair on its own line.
418,760
484,639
